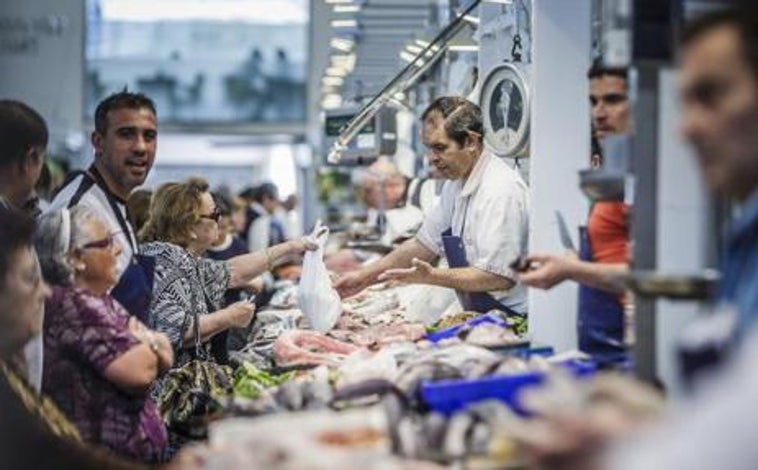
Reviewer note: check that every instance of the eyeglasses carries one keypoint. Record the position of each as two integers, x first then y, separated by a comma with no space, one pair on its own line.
214,216
101,244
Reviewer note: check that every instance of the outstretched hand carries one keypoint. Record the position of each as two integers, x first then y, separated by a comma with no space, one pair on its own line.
547,270
420,272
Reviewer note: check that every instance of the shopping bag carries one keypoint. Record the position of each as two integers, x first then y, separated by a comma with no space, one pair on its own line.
318,300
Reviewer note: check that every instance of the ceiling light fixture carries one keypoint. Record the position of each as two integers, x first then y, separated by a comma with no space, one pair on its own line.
463,48
344,23
336,71
346,8
332,81
342,44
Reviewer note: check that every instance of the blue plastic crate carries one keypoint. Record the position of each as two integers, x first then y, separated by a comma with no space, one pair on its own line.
449,396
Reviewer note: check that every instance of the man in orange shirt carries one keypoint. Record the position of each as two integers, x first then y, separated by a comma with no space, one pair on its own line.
604,250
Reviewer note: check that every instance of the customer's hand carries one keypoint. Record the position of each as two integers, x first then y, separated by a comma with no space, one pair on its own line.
352,283
548,271
420,272
240,313
301,245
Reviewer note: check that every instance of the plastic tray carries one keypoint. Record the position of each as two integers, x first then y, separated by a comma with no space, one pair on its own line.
453,331
449,396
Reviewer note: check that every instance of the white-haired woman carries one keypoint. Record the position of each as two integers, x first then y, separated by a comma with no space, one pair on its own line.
99,362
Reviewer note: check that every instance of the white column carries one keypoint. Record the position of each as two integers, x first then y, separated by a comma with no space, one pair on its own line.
560,146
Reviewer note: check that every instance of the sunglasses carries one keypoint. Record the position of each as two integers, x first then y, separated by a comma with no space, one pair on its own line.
214,216
101,244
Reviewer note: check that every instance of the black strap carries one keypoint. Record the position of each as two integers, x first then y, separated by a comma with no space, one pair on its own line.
416,194
209,307
91,177
114,201
84,186
404,197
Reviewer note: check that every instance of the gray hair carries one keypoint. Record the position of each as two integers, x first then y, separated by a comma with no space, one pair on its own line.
460,117
382,169
58,233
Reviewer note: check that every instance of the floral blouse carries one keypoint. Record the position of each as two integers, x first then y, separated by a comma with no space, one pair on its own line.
83,334
184,287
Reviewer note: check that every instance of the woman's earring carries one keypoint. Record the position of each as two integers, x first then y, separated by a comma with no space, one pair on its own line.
193,235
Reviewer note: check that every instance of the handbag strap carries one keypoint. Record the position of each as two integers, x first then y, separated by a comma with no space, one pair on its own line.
196,317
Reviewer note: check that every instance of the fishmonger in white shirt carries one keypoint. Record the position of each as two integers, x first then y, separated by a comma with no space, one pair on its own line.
480,223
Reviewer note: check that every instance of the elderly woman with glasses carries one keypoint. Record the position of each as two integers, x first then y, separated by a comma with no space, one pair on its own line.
99,362
188,288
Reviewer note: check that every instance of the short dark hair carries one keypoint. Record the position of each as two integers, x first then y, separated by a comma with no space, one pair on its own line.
16,232
266,190
599,71
122,99
248,194
21,129
461,117
224,202
742,17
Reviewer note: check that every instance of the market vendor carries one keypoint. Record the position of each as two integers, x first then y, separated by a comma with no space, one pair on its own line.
396,204
480,223
604,243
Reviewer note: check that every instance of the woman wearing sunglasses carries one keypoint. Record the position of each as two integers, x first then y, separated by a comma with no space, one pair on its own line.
99,361
183,225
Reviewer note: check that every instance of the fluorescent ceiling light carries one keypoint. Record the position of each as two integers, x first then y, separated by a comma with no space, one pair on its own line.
471,19
331,101
422,43
332,81
344,61
342,44
347,8
344,24
336,71
408,57
464,48
504,2
338,1
413,49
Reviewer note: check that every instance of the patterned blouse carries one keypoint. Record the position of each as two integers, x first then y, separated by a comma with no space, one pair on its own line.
84,334
184,287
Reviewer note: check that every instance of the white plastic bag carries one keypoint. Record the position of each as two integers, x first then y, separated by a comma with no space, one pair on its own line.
318,300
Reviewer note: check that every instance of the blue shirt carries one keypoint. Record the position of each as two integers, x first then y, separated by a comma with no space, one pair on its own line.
739,285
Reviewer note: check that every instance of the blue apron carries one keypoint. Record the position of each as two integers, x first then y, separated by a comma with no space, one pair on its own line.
135,287
600,320
455,252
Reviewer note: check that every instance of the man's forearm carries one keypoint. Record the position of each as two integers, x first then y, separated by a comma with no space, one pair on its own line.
469,279
605,276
